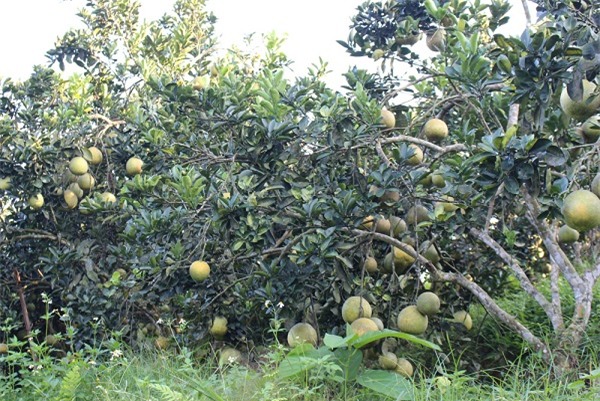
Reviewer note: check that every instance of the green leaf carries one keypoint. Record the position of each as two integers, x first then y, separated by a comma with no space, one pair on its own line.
387,383
378,335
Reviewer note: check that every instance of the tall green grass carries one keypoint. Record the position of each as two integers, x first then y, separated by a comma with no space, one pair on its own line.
181,376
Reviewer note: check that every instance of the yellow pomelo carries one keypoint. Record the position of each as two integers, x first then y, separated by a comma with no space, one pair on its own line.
201,82
218,329
388,118
383,226
584,108
378,322
417,214
95,156
355,307
368,222
4,183
390,197
78,165
70,199
3,348
436,41
370,265
134,166
404,367
86,181
417,157
581,210
76,189
431,254
161,343
464,318
590,129
388,361
363,325
428,303
36,201
411,321
199,271
397,226
301,333
378,53
388,263
438,180
567,235
229,356
435,130
595,186
108,197
402,259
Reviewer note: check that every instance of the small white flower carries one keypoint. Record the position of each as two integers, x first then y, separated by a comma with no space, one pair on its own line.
116,354
159,321
93,363
267,303
182,321
280,305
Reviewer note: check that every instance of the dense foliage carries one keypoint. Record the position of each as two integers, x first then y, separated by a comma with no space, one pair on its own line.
270,180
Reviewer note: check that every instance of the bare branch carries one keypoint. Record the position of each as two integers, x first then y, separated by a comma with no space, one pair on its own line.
513,264
445,149
382,155
527,13
488,217
557,255
513,115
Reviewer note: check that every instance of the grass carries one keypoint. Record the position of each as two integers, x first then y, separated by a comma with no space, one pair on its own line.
172,376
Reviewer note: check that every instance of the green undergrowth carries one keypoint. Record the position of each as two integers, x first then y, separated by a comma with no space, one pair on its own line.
172,376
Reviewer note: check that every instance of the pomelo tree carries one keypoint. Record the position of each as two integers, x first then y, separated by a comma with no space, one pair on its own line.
284,188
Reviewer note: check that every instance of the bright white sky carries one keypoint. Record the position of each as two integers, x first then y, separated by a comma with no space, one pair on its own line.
30,27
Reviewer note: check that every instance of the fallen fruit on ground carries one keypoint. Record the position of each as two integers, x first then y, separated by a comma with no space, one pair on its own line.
378,322
229,356
355,307
411,321
301,333
161,343
199,270
581,210
3,348
428,303
404,367
388,361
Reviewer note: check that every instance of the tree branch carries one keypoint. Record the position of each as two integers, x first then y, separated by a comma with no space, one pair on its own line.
513,264
556,253
482,296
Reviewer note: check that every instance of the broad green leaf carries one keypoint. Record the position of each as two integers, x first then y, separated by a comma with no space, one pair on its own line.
387,383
